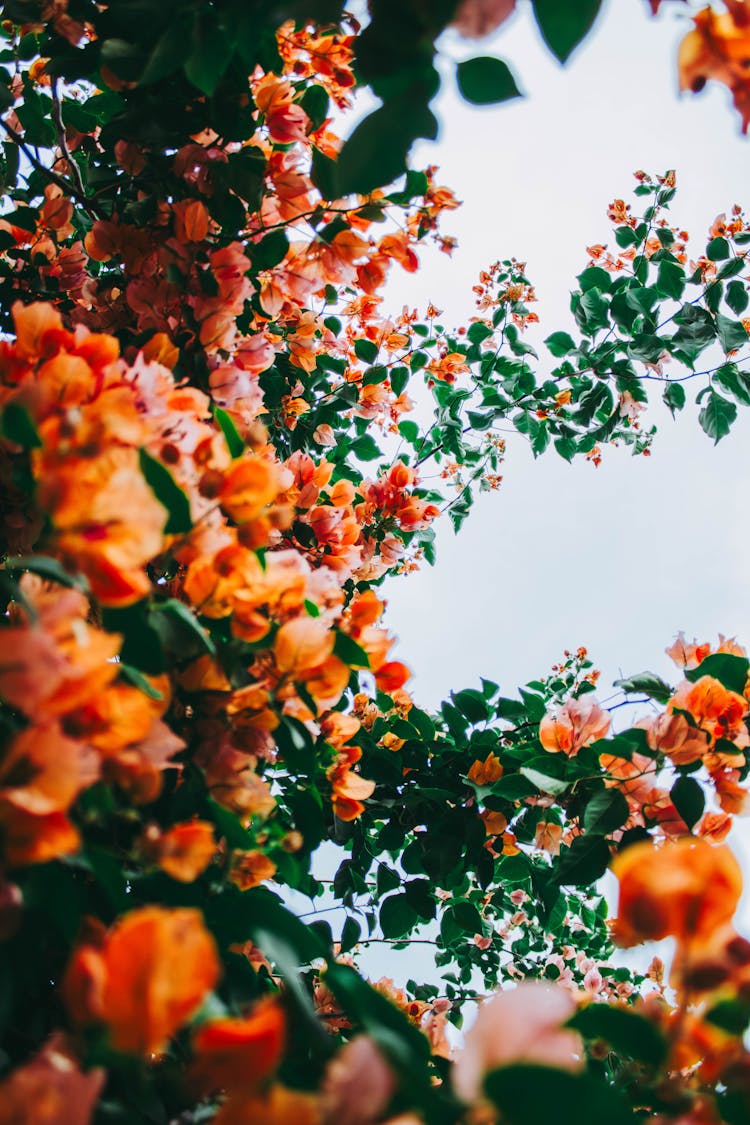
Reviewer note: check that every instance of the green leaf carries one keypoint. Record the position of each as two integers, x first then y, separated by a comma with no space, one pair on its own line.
315,101
350,652
366,350
560,344
543,781
606,812
731,333
375,154
538,1095
397,916
565,23
628,1033
486,80
179,630
471,704
728,669
393,1032
732,1015
168,493
670,279
717,416
350,934
48,568
209,58
270,250
737,297
674,397
718,249
583,862
18,426
689,799
235,444
649,684
137,679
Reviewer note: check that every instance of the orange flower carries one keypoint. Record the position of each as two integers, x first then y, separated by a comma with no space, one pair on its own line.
484,773
151,972
250,869
51,1088
279,1107
302,644
239,1054
717,48
185,850
349,789
577,723
715,709
684,888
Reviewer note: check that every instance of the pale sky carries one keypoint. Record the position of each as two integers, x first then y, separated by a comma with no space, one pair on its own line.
618,558
621,557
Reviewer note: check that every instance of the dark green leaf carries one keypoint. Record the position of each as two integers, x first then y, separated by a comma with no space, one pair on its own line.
674,396
347,649
18,426
689,799
565,23
397,916
560,344
168,493
717,416
648,683
235,444
583,862
538,1095
728,669
606,812
486,80
631,1035
732,333
737,297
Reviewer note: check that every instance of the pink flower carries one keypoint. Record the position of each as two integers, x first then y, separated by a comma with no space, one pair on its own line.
523,1024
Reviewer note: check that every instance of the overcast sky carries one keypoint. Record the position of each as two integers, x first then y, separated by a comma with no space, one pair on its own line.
622,557
619,557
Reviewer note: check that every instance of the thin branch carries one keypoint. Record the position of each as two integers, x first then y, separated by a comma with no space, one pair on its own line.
62,140
66,185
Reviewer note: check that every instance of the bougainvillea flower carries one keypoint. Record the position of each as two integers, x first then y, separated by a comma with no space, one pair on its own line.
576,724
716,709
718,48
250,868
240,1054
51,1088
519,1025
184,851
149,974
477,18
683,888
358,1084
279,1107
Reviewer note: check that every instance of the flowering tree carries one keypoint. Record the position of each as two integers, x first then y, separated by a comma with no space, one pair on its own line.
209,461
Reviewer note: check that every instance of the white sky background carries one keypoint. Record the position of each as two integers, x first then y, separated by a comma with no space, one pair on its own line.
620,557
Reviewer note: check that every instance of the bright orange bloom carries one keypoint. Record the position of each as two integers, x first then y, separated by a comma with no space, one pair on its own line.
150,973
240,1054
683,888
279,1107
717,48
484,773
51,1088
184,851
250,869
577,723
715,709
